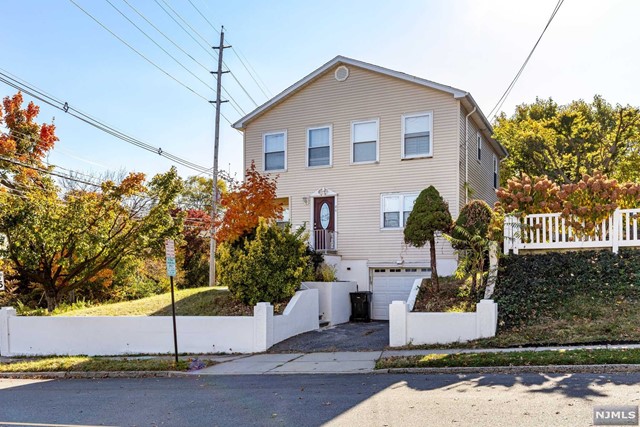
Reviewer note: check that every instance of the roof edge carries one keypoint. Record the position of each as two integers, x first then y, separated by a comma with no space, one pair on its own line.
457,93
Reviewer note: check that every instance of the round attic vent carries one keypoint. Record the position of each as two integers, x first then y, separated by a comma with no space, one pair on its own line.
341,73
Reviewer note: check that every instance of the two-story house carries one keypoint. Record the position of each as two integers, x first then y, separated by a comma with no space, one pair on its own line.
353,145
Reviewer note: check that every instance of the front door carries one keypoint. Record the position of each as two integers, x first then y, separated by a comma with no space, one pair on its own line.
324,223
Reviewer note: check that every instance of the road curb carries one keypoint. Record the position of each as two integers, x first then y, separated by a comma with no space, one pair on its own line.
95,374
551,369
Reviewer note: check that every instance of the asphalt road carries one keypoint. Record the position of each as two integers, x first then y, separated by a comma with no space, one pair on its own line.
314,400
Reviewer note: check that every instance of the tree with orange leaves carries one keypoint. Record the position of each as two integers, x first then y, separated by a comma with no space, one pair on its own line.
245,204
25,141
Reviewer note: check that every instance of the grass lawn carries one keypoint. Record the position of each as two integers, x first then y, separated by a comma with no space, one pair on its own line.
216,301
88,364
518,358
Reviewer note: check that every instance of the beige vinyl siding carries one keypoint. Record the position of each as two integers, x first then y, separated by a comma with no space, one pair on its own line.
480,173
364,95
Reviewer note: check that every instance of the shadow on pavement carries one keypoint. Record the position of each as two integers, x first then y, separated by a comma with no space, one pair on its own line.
314,400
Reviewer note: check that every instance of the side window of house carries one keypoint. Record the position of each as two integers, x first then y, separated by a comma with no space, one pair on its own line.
319,146
495,171
479,145
416,135
275,151
364,141
396,209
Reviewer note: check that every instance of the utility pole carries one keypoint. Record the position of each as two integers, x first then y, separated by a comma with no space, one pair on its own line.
216,144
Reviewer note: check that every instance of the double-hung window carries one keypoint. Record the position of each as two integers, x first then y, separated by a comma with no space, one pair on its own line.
364,141
479,146
275,151
417,135
396,209
319,146
495,171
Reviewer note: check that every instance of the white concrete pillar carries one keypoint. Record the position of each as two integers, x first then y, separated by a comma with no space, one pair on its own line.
398,311
262,327
5,313
486,318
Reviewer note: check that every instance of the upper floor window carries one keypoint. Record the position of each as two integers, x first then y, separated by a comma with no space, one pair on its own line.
319,146
364,141
275,151
495,171
396,209
416,135
479,146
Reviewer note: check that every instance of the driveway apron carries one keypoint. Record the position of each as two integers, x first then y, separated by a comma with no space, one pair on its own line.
372,336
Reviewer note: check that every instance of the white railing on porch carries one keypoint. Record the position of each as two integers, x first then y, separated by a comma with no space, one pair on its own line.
551,231
324,240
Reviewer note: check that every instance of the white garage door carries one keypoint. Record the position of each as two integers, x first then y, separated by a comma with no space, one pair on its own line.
392,284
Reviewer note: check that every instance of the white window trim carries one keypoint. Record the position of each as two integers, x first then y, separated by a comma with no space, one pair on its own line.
330,127
264,151
418,156
355,122
401,218
478,147
495,177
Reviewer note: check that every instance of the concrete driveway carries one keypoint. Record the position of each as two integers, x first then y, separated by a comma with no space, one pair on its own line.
373,336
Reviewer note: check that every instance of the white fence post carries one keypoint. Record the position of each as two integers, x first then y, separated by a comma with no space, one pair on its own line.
615,233
486,318
262,326
510,223
398,311
5,313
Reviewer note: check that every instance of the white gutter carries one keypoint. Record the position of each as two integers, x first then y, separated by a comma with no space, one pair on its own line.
466,155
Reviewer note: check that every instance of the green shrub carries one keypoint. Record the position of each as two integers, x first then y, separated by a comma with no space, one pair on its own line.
530,287
475,217
267,267
326,273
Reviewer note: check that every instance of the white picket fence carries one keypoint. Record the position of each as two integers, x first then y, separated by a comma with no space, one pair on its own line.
550,231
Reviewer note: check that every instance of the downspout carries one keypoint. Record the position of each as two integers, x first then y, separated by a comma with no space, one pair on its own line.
466,155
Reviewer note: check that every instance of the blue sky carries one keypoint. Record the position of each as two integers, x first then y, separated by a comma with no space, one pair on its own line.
590,48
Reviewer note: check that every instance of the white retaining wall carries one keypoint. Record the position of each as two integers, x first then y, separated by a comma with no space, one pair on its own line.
299,316
21,335
335,302
406,327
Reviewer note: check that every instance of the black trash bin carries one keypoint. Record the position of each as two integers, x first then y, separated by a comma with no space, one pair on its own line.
360,307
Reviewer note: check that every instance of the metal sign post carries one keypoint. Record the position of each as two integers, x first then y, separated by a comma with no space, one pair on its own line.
170,251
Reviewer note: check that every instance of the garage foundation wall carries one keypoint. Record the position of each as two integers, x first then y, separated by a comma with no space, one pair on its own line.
406,327
105,336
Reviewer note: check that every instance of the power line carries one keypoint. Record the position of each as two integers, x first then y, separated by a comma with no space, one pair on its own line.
207,49
238,56
139,53
5,159
506,93
97,124
167,37
160,47
235,107
266,92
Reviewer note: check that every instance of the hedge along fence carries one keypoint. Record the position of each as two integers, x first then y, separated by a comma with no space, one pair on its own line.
532,286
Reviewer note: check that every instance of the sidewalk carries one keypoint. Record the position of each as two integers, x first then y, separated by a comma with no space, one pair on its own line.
346,362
